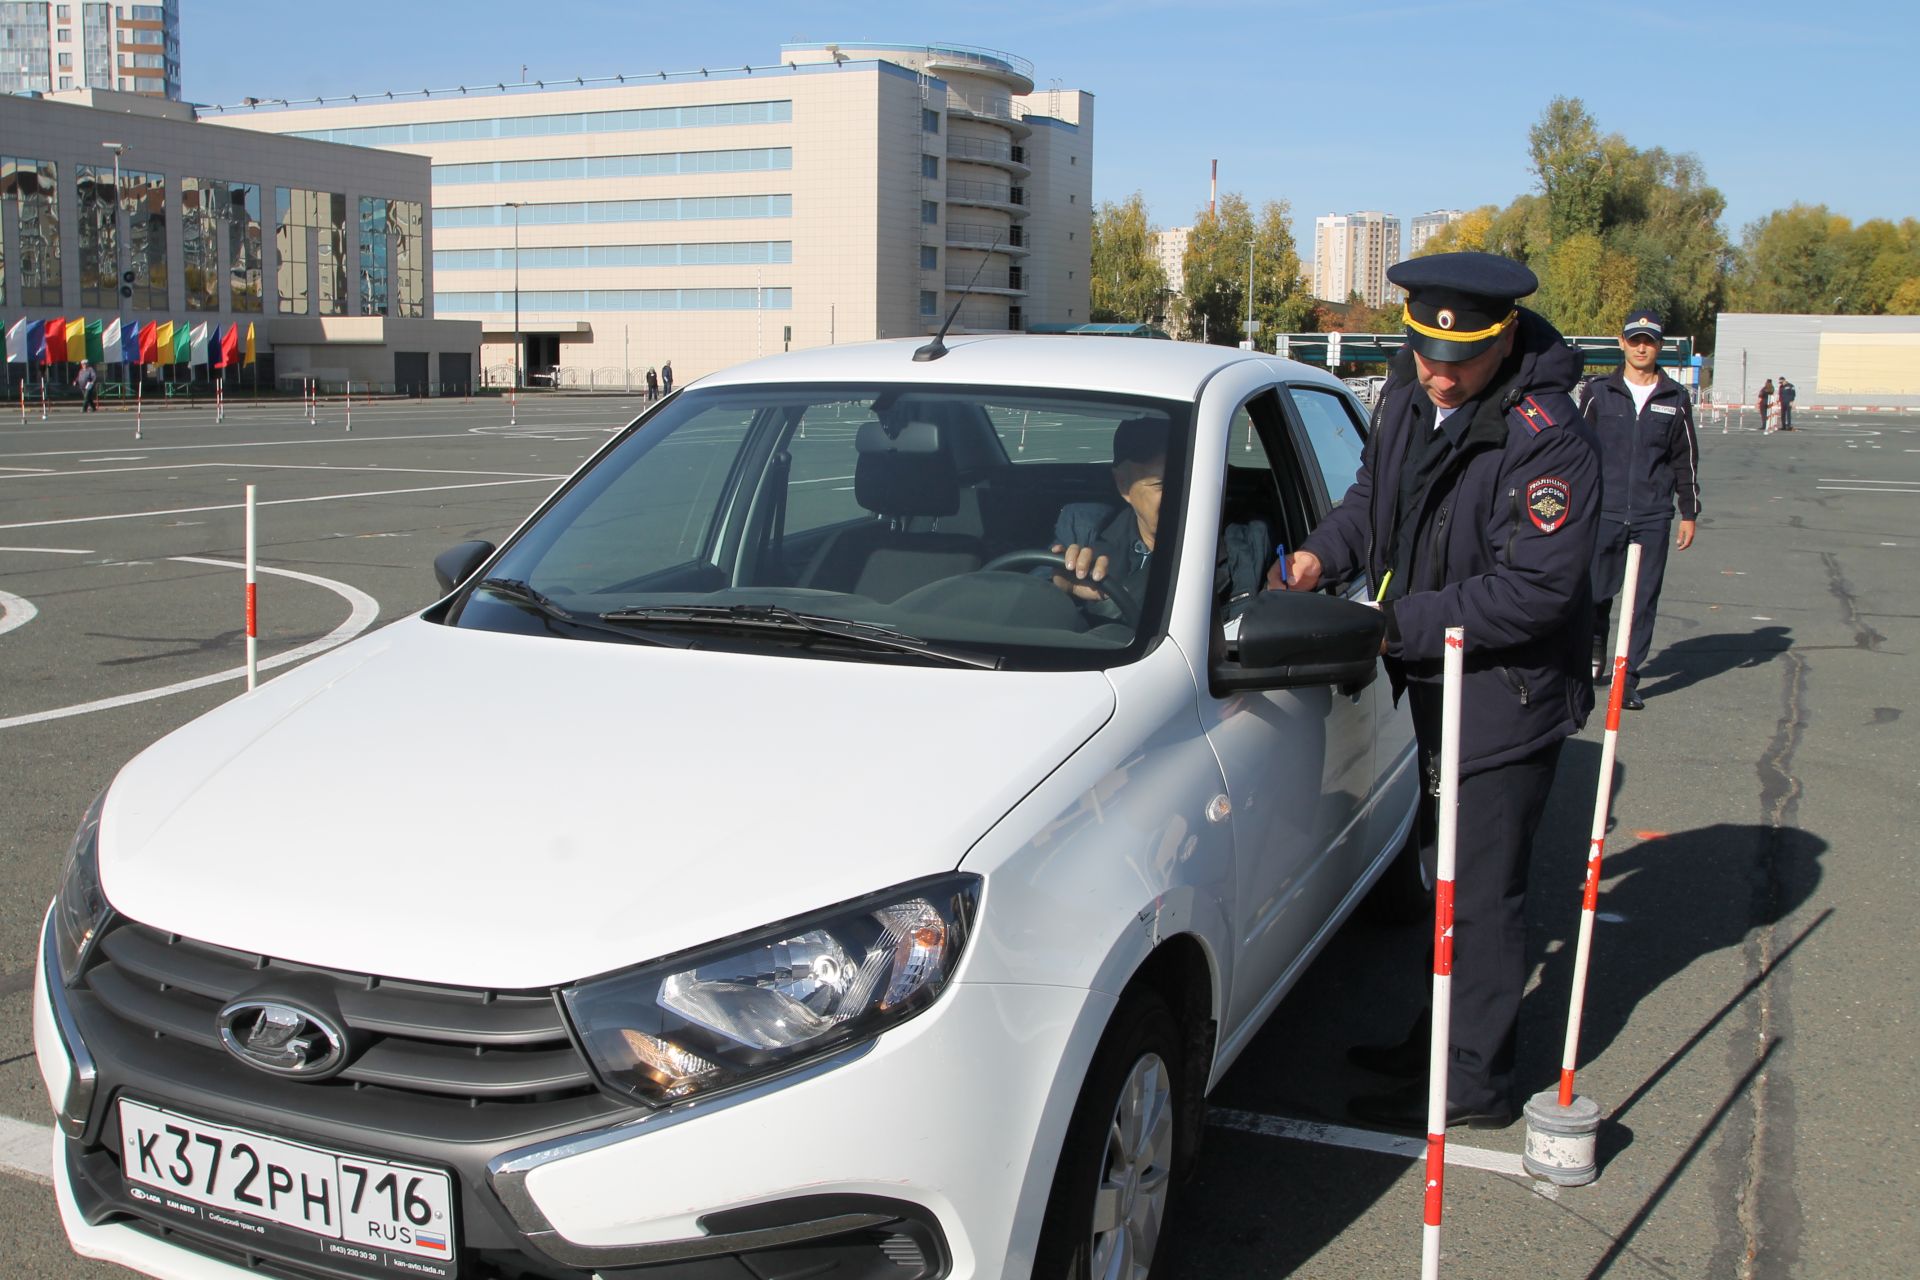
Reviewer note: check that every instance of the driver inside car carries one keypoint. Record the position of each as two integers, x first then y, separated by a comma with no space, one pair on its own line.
1098,544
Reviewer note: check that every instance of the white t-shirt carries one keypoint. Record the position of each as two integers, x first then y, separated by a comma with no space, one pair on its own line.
1440,415
1641,394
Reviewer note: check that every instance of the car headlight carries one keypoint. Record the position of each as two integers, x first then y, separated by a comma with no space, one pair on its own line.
80,911
768,1001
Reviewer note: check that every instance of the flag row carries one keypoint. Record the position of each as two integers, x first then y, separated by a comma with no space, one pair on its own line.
62,341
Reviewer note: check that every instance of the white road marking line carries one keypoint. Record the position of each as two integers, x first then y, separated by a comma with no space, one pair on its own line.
1823,488
275,502
1858,480
33,469
251,444
50,551
1387,1144
819,480
15,612
364,610
47,474
26,1149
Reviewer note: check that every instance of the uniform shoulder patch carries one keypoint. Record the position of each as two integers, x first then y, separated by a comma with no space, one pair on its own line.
1549,499
1533,415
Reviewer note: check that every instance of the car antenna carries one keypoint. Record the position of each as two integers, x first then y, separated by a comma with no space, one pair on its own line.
935,349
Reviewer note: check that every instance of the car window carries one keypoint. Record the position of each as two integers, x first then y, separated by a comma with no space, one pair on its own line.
1334,434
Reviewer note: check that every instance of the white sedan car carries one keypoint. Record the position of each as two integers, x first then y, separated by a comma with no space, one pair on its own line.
771,859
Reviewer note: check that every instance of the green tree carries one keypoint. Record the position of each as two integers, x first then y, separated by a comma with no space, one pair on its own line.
1574,165
1465,233
1128,283
1792,262
1586,286
1216,268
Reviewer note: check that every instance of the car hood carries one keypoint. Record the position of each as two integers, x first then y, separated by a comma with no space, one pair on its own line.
511,812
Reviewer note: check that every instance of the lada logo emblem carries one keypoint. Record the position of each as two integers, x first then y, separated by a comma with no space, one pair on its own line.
282,1038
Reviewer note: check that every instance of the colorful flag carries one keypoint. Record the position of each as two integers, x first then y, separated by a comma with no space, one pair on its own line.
230,345
76,340
37,341
249,359
97,342
130,343
56,348
110,341
198,344
162,342
150,343
17,342
182,343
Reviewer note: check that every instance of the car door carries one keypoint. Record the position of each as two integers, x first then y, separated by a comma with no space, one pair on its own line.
1298,762
1331,428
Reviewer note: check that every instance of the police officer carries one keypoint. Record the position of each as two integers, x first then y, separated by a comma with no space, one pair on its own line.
1649,460
1475,506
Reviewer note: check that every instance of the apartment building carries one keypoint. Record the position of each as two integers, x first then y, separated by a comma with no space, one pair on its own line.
1426,224
1351,254
1170,250
46,47
845,193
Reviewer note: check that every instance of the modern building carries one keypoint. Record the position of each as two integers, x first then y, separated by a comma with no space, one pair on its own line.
1853,362
88,44
122,207
1351,254
846,192
1170,250
1425,224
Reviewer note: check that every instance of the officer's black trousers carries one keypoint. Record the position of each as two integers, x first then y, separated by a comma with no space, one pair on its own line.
1609,569
1500,809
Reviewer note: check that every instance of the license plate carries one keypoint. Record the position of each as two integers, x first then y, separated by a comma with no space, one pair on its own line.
395,1216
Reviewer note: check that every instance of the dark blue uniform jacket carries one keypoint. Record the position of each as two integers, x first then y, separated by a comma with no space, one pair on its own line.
1506,534
1648,460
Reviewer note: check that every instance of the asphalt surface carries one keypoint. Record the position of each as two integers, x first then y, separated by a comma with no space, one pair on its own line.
1751,1014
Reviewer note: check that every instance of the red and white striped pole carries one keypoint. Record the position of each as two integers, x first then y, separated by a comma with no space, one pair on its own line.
219,399
253,610
23,400
43,395
139,402
1596,843
349,406
513,405
1448,816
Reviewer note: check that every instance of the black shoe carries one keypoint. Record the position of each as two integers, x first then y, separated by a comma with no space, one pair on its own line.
1406,1108
1632,701
1404,1061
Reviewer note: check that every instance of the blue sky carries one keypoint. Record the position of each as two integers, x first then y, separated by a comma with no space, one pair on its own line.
1333,105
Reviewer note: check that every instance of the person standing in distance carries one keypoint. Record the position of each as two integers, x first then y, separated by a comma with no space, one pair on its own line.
89,383
1476,505
666,378
1649,461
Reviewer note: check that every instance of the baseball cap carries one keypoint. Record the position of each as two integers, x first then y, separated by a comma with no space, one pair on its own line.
1643,323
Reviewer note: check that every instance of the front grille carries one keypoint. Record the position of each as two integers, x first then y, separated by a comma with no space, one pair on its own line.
449,1042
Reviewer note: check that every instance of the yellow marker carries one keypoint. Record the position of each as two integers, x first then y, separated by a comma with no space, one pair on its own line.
1382,593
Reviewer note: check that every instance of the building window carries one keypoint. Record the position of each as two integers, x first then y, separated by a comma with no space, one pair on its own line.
929,120
66,61
66,82
929,212
123,82
325,213
64,12
64,35
143,199
929,258
237,205
199,244
929,165
97,229
929,303
32,188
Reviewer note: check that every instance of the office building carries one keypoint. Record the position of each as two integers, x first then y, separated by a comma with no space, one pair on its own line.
118,206
1170,250
846,192
1425,224
87,44
1351,254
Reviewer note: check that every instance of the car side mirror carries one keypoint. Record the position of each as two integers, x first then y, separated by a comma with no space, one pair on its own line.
1290,639
456,564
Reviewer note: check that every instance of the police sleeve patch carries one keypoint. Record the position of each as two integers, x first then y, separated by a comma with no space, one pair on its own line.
1548,501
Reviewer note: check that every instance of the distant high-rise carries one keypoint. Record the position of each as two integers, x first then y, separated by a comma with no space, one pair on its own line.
1170,248
1351,254
1426,224
132,48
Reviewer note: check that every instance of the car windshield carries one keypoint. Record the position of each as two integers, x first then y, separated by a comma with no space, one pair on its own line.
731,515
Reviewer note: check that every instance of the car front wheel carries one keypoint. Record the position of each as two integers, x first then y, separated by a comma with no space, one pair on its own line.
1107,1215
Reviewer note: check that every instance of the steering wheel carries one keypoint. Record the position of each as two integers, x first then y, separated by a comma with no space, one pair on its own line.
1038,558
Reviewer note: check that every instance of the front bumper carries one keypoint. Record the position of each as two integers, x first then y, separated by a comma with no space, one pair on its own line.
935,1142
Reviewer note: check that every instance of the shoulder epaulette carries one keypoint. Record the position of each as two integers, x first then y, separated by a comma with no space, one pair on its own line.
1533,415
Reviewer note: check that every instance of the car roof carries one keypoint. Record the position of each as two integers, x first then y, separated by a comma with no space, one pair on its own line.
1148,367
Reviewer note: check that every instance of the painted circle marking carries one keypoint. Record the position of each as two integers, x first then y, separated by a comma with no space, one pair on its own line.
15,612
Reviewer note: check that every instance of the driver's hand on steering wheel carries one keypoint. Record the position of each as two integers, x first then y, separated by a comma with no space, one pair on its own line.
1083,565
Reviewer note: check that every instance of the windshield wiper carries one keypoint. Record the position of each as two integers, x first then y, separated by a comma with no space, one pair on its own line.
525,593
770,617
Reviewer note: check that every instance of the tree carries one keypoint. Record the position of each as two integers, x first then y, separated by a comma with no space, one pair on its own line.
1791,262
1574,165
1468,232
1128,283
1216,270
1585,285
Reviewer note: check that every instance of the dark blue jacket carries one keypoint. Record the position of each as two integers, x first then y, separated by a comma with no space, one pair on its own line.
1507,532
1649,459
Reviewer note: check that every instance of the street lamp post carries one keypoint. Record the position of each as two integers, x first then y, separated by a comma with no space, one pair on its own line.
120,288
515,206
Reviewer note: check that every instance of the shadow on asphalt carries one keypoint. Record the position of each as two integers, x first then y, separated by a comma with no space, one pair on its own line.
1267,1206
1685,663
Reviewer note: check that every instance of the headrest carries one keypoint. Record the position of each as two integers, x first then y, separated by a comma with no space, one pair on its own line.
904,474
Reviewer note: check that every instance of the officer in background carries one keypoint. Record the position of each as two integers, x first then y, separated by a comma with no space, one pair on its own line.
1649,460
1476,505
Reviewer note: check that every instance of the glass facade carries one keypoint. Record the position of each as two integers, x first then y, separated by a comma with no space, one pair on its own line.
719,113
143,199
292,214
634,166
375,267
200,243
620,300
25,51
31,188
617,255
671,209
407,224
239,207
299,212
392,274
97,233
96,36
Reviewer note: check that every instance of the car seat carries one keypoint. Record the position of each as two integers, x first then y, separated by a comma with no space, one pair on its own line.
902,476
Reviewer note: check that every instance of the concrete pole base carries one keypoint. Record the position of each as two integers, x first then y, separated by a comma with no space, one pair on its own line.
1561,1140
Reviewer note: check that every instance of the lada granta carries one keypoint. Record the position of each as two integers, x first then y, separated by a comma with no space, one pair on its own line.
772,861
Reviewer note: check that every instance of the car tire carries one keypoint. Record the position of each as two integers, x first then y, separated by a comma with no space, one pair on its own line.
1401,895
1124,1154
